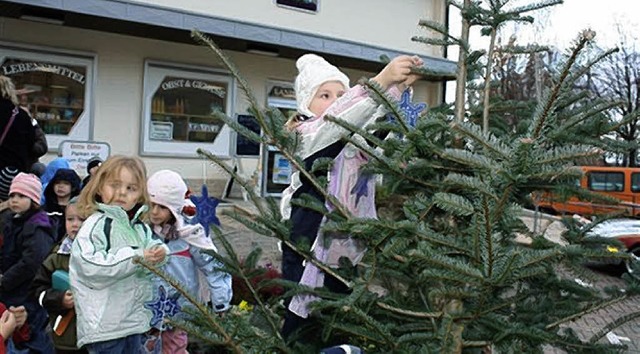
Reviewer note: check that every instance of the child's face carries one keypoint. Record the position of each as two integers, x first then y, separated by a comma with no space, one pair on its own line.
62,189
327,93
72,221
18,203
122,190
159,214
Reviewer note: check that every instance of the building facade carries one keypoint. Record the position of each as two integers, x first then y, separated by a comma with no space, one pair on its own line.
125,77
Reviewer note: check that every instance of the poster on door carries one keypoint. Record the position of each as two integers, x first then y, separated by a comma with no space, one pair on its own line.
281,172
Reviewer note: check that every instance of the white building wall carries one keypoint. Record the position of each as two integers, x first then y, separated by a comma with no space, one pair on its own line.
383,23
119,83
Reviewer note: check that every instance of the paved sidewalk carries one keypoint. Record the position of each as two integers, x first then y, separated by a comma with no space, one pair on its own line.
244,240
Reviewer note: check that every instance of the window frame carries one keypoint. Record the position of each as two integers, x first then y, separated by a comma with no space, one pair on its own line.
269,153
156,71
83,128
635,177
289,4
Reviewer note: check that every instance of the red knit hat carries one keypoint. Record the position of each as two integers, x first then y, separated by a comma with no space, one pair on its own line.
28,185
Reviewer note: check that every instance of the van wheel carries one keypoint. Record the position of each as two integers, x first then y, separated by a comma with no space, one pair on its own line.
633,265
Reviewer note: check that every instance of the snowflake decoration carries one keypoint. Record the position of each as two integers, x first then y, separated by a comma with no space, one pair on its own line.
162,306
205,209
411,111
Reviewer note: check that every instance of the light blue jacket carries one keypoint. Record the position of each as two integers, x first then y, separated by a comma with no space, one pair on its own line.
186,260
109,289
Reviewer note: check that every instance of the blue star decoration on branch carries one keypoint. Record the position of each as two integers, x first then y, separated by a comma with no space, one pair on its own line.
361,189
411,111
205,209
161,307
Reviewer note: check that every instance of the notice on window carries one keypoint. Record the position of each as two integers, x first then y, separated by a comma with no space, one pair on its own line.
281,170
78,153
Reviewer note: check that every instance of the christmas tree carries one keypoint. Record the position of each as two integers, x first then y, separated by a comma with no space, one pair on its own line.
444,271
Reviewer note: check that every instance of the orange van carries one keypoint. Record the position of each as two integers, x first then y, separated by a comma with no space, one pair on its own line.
622,183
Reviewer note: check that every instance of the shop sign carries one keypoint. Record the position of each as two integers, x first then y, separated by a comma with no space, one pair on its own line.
281,91
12,69
196,84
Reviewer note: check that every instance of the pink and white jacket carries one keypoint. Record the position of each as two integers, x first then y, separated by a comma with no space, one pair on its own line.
353,189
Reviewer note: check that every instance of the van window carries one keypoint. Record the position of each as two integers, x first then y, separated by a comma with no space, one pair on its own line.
635,182
606,181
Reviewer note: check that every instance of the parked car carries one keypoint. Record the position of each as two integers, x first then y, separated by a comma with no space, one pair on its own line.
627,231
621,183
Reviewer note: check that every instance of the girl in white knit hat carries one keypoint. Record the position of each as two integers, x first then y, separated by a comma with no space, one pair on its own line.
167,192
323,90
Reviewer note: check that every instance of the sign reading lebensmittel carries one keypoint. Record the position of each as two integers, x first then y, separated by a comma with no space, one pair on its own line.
78,153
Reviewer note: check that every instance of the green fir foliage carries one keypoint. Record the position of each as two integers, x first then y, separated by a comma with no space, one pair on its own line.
445,270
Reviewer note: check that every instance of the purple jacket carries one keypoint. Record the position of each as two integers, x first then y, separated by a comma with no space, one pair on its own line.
26,242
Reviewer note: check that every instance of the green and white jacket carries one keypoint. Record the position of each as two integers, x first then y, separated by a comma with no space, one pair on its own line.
109,289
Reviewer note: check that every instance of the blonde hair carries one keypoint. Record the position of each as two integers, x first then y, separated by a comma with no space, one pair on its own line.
8,90
109,170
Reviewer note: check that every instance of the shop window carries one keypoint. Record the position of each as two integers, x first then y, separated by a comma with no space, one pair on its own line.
180,111
54,90
276,169
306,5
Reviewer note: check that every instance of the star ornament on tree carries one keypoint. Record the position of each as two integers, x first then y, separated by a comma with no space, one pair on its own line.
161,307
205,209
410,110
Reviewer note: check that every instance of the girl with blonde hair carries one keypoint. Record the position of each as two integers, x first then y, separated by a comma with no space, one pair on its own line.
109,289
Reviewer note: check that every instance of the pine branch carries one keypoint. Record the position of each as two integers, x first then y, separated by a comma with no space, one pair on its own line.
275,328
228,340
409,313
533,7
587,311
487,140
541,117
228,169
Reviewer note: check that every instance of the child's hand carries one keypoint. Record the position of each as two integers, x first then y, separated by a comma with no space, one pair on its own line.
154,255
398,72
417,62
20,314
7,324
67,300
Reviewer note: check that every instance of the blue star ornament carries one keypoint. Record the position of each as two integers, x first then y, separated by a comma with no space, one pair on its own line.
411,111
205,209
161,307
361,189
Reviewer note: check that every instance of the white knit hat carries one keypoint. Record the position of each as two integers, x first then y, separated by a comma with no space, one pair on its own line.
168,189
313,71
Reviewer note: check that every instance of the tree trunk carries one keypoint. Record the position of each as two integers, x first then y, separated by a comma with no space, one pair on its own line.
461,79
487,82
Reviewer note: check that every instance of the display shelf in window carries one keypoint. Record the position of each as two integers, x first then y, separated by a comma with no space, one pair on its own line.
190,99
190,127
54,118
